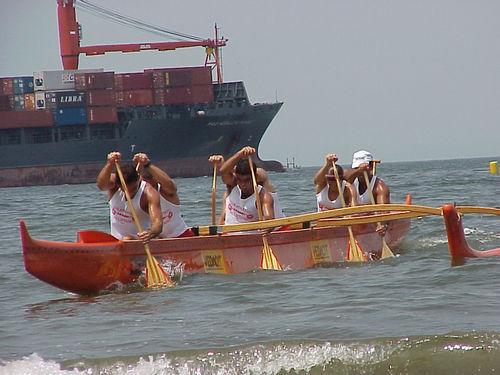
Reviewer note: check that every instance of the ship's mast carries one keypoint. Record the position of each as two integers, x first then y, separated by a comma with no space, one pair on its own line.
69,42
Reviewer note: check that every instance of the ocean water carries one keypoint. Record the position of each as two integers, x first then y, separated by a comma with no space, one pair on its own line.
413,314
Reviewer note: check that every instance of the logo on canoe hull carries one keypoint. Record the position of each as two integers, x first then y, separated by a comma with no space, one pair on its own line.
213,261
320,251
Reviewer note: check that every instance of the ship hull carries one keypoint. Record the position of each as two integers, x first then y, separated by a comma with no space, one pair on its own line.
179,140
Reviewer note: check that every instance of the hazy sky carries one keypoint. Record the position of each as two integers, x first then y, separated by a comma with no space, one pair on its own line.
405,79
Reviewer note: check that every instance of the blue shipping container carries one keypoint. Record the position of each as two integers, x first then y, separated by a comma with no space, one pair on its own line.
23,85
70,116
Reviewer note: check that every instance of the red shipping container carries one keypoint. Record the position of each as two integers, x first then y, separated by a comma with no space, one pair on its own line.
184,95
6,103
201,75
94,81
22,119
100,97
101,115
158,79
7,86
159,96
134,81
132,98
177,77
202,93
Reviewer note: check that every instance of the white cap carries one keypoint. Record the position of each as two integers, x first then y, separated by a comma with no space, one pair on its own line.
361,157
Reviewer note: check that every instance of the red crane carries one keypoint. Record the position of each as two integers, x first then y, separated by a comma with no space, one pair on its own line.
69,42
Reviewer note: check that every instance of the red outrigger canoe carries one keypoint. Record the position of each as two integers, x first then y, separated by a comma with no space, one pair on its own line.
457,244
98,262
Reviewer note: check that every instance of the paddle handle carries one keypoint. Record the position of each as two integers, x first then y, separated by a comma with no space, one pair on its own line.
367,181
339,186
127,195
255,189
214,193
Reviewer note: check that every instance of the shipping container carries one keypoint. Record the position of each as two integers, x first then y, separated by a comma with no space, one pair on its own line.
18,102
7,86
100,98
184,95
40,99
70,116
94,81
133,81
6,103
101,115
65,99
177,77
201,75
29,101
23,119
54,80
23,85
132,98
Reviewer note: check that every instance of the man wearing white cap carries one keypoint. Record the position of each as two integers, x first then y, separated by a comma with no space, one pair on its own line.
362,161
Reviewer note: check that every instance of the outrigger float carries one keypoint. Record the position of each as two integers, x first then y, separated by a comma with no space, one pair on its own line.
97,262
457,244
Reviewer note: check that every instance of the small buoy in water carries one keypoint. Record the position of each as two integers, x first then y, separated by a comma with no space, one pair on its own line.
493,167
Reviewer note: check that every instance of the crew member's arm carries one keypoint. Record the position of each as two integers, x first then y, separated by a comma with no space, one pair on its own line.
167,184
150,203
267,204
351,174
226,169
264,181
217,161
381,194
222,217
319,178
350,195
107,180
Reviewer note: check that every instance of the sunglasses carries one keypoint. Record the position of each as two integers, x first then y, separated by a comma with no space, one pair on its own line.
331,177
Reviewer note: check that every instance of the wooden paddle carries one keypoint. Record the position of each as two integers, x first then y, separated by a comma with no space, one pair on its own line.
354,252
268,260
386,251
156,277
214,193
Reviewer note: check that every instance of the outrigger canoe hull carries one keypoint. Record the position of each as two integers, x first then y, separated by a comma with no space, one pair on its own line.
98,262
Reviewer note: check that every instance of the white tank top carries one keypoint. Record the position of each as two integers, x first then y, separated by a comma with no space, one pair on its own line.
238,210
278,211
173,223
365,197
324,203
121,219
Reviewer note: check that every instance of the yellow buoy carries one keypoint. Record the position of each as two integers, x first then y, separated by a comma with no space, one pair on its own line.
493,167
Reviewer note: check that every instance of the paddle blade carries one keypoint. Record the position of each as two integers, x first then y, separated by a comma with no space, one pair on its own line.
386,251
156,277
354,252
268,260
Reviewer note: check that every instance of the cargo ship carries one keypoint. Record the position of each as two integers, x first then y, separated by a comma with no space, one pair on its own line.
56,127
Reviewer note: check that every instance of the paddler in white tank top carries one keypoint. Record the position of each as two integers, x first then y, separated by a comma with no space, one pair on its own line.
173,223
263,180
240,204
362,161
327,193
145,200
